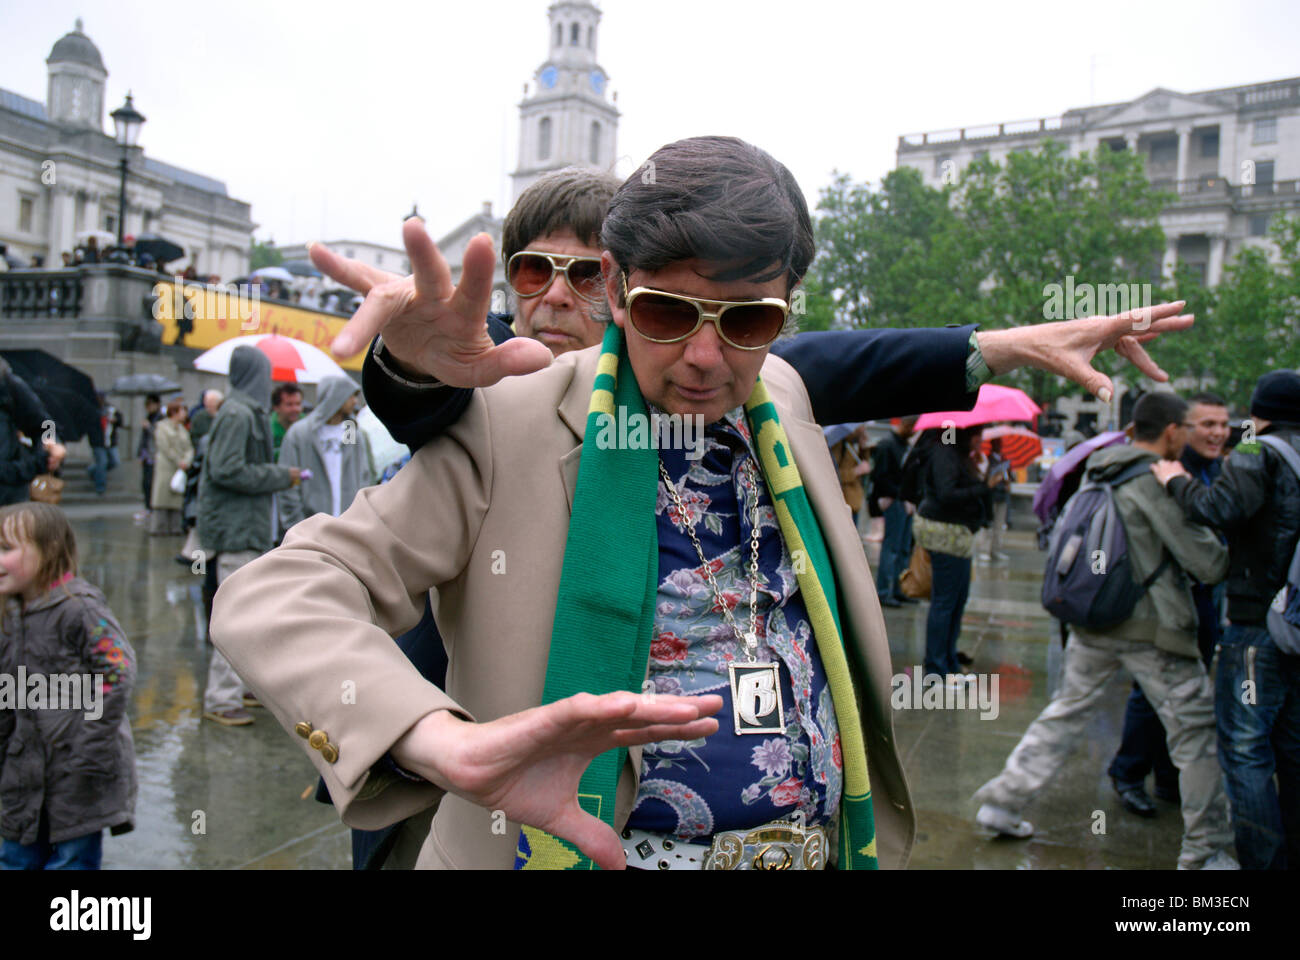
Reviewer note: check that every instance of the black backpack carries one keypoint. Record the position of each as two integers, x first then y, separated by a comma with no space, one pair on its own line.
1089,580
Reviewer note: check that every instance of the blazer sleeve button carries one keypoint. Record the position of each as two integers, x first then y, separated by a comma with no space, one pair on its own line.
302,728
329,752
318,739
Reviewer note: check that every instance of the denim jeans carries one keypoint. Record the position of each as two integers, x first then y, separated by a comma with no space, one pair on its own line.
949,590
79,853
895,550
1257,706
106,459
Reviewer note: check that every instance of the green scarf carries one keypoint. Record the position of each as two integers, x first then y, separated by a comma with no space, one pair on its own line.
600,640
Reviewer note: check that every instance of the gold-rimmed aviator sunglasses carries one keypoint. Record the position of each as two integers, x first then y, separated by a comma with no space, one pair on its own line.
530,273
663,317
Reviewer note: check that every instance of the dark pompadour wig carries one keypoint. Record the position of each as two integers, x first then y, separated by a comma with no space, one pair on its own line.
712,198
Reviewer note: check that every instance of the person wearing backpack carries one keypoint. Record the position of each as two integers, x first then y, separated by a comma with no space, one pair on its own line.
1133,609
1256,503
1142,746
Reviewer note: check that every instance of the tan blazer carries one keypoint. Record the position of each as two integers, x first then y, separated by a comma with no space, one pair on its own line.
481,515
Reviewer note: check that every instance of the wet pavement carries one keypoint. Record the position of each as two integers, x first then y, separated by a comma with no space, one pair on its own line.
222,797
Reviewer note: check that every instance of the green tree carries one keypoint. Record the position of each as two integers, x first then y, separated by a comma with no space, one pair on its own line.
264,255
1246,326
1047,224
894,257
992,248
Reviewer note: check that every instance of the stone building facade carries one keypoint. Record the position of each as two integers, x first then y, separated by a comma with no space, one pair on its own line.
60,176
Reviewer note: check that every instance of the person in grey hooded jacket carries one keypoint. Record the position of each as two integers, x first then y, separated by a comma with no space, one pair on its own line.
236,503
328,442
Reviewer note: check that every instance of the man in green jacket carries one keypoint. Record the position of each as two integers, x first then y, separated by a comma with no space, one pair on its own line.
1157,645
237,504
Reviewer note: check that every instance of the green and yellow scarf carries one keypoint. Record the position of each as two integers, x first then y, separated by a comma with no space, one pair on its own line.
600,639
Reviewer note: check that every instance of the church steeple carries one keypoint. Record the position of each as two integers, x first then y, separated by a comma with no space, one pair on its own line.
567,118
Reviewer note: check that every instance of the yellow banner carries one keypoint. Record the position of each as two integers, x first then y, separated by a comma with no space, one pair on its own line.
217,314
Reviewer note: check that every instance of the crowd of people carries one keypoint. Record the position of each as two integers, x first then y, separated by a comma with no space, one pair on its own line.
641,657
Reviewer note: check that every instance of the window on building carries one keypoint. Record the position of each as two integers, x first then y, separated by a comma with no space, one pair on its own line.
1263,177
939,162
350,254
1265,130
406,266
1164,152
593,148
26,211
1259,224
110,222
559,34
544,139
574,32
591,38
379,259
981,154
1210,145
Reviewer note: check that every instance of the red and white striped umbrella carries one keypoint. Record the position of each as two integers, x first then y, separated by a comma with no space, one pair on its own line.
291,360
1019,445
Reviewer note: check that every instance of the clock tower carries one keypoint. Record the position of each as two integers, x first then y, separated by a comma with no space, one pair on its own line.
567,117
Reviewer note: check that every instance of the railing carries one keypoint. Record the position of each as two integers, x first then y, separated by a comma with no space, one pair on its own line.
1274,188
989,131
41,293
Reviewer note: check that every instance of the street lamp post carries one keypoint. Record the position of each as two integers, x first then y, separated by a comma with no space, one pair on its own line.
127,121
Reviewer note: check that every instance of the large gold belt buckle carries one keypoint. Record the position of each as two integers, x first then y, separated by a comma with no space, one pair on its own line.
782,845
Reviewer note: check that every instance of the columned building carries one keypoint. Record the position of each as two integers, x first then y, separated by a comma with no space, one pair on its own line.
1231,156
60,176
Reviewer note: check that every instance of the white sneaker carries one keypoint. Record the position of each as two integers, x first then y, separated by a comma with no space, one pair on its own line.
1000,821
1220,861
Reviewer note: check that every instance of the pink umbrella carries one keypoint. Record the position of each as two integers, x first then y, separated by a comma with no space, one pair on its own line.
995,404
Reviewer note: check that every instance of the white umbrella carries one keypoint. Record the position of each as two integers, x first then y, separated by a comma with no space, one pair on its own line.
273,273
291,360
102,237
383,448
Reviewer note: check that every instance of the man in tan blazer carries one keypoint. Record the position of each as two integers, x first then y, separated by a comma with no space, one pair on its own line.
481,516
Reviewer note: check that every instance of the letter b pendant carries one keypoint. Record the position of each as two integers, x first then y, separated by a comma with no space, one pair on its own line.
756,698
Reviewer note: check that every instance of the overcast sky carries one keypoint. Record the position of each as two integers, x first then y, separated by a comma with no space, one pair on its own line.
331,118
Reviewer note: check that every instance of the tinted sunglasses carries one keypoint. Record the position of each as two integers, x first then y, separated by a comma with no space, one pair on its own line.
663,317
530,274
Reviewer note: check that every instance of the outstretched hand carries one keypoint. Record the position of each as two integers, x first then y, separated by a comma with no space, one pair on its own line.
528,764
1068,347
431,326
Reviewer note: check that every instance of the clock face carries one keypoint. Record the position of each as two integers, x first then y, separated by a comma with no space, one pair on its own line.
598,82
548,77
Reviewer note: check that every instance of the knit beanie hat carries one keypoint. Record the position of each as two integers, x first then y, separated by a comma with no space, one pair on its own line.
1277,396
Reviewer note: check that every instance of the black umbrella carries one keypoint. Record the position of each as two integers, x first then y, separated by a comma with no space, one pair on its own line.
144,383
18,263
160,248
302,268
67,394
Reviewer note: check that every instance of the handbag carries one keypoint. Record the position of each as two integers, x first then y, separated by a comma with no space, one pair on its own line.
178,481
46,488
915,581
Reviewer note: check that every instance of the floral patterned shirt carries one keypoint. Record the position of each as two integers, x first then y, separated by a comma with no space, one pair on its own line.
728,781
